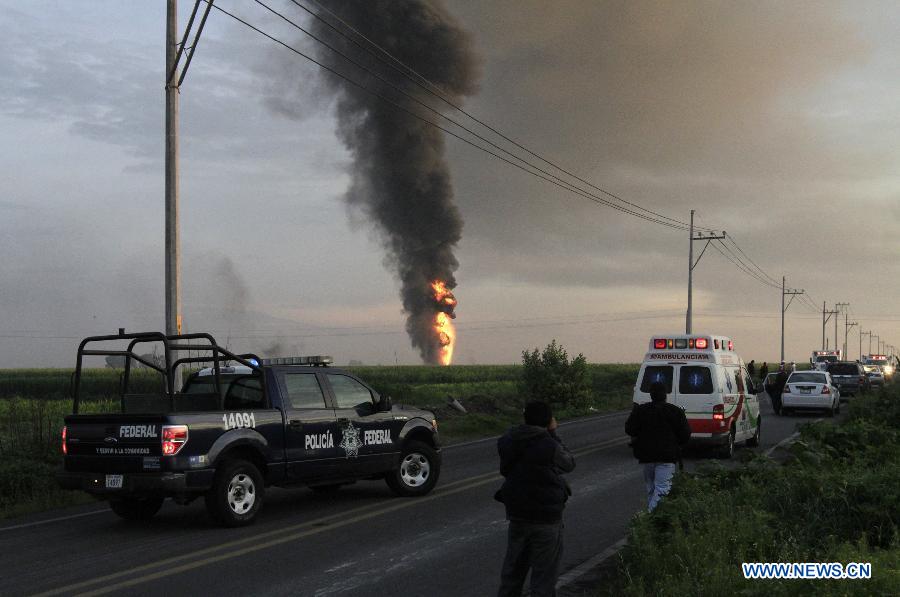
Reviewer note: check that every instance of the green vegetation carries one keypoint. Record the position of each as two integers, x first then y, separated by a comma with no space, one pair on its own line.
550,376
30,454
836,500
33,403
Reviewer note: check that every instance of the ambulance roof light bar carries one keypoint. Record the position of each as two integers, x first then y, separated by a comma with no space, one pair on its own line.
684,343
315,361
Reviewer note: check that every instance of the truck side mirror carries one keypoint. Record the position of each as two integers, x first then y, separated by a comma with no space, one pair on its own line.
385,404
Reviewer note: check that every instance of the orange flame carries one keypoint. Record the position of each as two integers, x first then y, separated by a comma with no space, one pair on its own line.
446,337
443,327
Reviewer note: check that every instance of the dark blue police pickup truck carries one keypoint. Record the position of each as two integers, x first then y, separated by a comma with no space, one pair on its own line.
235,427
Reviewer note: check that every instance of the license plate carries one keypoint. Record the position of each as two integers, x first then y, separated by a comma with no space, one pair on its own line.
805,391
114,481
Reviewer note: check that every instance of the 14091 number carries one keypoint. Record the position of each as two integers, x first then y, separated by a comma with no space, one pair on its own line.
239,420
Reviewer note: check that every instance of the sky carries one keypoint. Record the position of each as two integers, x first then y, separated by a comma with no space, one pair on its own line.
777,122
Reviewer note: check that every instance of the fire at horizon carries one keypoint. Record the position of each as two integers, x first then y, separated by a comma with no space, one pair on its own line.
445,303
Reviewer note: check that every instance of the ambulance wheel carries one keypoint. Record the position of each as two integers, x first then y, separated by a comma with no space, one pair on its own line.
727,450
417,472
754,441
236,494
131,508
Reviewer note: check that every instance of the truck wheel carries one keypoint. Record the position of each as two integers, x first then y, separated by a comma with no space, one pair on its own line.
754,441
417,472
727,451
236,495
132,508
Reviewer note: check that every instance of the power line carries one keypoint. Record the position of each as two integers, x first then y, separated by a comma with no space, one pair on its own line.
674,223
761,270
741,259
742,267
562,184
429,87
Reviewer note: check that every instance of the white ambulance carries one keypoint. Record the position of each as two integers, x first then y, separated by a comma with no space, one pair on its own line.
705,377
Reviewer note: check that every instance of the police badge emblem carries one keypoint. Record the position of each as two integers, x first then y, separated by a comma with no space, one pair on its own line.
350,440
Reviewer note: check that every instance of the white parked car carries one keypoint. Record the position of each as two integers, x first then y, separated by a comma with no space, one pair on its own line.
810,390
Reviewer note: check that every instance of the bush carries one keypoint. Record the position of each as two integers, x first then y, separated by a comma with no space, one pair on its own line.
550,376
836,500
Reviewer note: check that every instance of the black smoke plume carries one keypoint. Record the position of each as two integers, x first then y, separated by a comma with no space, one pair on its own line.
400,178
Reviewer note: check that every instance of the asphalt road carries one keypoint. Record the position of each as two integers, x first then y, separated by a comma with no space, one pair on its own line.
450,542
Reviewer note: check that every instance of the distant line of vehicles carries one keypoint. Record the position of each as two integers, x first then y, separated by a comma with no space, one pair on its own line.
706,377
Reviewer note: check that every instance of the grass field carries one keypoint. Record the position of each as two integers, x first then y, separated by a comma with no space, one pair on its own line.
836,500
33,403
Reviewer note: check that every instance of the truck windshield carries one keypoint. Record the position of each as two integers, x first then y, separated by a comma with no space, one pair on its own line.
828,359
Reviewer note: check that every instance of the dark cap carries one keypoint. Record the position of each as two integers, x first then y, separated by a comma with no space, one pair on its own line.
538,414
658,392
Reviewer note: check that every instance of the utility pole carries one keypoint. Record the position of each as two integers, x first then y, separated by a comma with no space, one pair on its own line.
174,78
838,308
847,326
784,308
869,334
173,235
824,321
689,318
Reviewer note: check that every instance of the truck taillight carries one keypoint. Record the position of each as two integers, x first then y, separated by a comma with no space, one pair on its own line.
718,412
173,439
65,450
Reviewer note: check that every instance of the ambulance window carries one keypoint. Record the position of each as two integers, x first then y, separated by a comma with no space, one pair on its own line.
657,373
695,380
303,390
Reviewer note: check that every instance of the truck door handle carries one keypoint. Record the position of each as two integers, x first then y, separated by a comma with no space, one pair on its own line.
296,423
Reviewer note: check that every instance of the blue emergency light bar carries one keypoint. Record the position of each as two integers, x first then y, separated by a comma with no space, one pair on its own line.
313,360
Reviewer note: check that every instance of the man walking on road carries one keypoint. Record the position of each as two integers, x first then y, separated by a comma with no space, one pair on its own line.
659,430
533,458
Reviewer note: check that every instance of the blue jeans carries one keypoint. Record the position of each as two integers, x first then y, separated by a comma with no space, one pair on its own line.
658,479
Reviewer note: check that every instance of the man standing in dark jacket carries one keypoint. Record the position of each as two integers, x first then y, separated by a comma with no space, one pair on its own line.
533,458
659,430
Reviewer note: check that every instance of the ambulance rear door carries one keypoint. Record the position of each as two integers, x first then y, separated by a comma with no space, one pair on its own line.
695,389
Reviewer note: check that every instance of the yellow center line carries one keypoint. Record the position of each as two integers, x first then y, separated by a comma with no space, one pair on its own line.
284,535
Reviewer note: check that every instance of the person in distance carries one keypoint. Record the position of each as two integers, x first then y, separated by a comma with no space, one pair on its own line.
533,460
659,430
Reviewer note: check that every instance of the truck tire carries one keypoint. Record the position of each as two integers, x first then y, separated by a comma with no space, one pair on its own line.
133,508
417,471
236,494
